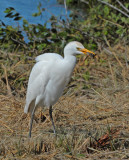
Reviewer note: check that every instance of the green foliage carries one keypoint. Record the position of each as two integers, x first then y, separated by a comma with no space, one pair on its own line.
39,13
100,23
86,76
11,13
92,23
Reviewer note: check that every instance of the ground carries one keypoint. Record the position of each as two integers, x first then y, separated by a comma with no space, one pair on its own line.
91,118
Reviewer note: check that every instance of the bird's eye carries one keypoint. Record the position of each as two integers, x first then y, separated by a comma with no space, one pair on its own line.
78,48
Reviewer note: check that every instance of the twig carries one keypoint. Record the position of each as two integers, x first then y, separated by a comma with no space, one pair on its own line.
83,1
18,42
114,8
126,59
107,42
65,7
84,143
66,12
110,104
111,22
113,76
92,149
117,59
6,126
107,51
112,152
122,6
7,83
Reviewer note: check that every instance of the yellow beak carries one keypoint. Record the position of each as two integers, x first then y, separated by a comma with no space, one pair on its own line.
86,51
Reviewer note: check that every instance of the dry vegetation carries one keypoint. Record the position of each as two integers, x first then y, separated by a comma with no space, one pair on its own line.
91,118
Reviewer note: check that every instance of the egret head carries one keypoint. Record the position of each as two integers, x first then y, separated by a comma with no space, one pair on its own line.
74,48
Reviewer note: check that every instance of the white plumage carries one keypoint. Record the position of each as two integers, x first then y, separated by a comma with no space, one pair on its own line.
49,77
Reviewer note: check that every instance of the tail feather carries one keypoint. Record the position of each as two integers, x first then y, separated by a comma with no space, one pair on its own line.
29,108
26,109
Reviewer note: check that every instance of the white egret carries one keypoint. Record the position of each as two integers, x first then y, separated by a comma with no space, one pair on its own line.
49,77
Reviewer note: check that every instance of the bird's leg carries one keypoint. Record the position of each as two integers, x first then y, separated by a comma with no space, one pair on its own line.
50,113
31,122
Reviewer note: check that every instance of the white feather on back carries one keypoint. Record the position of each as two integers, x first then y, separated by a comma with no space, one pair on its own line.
48,57
39,77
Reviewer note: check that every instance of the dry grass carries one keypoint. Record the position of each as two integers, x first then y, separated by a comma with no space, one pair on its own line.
92,118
